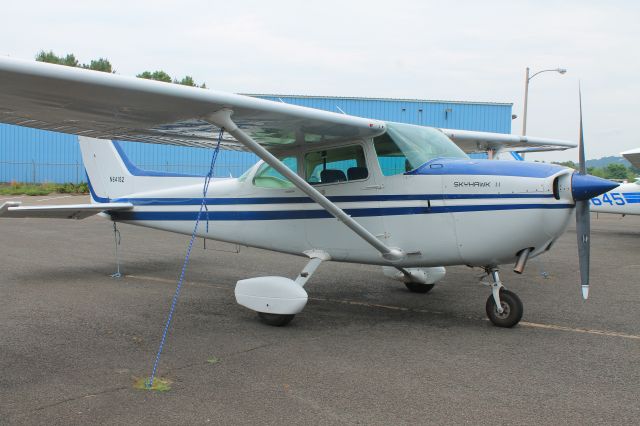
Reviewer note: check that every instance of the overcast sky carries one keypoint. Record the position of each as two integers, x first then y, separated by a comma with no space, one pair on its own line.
451,50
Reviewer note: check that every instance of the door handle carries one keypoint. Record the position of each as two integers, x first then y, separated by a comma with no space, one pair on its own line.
373,187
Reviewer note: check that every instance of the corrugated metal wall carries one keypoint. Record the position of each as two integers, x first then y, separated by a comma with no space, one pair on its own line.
488,117
28,155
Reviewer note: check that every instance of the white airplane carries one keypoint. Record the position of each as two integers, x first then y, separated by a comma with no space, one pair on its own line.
625,199
330,186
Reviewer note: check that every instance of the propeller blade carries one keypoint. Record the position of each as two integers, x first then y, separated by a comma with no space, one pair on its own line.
583,166
583,221
583,230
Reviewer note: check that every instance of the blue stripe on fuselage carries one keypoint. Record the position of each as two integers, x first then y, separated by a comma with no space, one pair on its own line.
336,199
322,214
631,197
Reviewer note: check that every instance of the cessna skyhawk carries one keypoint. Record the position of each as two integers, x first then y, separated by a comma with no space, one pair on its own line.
331,187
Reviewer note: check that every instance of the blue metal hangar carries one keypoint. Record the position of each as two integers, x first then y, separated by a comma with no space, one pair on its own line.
29,155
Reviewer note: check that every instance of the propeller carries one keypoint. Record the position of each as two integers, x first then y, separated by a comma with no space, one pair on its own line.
583,188
583,222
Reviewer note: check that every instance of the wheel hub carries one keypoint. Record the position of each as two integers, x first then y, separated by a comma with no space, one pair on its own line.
505,311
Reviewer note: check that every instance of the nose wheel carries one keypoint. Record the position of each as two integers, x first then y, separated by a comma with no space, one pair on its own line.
511,309
504,308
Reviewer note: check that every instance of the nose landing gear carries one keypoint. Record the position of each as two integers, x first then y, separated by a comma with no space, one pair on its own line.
504,308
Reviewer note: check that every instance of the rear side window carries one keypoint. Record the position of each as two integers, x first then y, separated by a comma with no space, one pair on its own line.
336,165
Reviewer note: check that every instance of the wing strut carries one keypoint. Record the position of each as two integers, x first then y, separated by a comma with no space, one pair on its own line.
222,118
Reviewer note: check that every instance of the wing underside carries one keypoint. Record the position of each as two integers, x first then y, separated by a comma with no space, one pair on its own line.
472,141
108,106
633,156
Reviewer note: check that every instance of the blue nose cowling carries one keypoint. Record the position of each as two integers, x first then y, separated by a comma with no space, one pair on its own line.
585,187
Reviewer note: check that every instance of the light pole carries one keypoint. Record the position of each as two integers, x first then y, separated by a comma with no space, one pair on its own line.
526,94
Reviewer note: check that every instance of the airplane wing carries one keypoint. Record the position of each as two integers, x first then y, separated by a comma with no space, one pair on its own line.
632,156
108,106
472,141
70,211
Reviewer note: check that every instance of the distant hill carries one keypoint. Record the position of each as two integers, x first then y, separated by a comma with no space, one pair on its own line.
605,161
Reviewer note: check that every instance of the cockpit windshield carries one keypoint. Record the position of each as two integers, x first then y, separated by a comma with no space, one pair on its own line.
405,147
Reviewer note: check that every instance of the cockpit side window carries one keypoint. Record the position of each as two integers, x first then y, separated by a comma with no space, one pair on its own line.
391,159
268,177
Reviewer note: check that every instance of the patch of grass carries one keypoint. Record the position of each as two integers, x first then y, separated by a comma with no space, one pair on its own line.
213,360
72,188
17,188
159,384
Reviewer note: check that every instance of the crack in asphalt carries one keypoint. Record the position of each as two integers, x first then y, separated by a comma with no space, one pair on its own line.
77,398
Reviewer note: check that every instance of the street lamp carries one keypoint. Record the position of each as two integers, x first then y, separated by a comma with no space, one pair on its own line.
526,94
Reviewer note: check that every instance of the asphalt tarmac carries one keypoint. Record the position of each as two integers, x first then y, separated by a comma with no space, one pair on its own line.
364,351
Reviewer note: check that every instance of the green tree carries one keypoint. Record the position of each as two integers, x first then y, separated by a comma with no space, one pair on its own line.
50,57
189,81
616,171
156,75
612,171
186,81
101,64
596,171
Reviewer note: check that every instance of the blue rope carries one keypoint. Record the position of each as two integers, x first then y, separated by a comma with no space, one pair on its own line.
203,206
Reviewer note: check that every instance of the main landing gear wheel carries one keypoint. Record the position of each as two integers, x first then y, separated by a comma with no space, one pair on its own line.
511,309
419,288
277,320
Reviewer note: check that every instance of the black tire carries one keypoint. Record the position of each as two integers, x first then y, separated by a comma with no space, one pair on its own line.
512,306
276,320
419,288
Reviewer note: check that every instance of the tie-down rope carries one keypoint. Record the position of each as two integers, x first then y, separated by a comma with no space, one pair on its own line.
203,207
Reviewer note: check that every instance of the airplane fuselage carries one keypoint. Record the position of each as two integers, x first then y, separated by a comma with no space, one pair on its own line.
472,212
